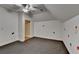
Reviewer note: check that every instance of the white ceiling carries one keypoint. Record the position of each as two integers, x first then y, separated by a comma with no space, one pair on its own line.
44,16
63,12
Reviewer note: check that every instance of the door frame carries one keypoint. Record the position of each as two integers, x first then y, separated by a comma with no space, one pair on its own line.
25,29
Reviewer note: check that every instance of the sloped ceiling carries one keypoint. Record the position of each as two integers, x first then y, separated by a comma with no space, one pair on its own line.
63,12
44,16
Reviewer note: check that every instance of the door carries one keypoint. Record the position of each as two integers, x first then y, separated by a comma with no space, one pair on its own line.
27,29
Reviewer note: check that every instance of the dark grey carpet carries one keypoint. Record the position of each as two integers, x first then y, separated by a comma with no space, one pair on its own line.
34,46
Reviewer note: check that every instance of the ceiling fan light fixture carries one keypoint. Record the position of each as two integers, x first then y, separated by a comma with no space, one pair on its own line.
25,10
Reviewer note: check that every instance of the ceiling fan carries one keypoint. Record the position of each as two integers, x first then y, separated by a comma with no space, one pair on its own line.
28,9
31,9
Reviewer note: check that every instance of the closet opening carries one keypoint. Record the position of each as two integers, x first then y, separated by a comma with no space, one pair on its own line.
27,29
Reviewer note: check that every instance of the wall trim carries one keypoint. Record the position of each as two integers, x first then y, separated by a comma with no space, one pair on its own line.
48,38
6,43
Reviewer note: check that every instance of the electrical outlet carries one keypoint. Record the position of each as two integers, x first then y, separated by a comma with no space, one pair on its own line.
76,27
70,44
68,35
53,32
12,33
12,36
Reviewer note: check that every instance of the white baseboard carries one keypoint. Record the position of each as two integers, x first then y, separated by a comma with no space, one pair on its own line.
50,38
67,47
7,42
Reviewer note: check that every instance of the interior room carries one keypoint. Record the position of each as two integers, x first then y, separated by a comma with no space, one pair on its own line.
39,28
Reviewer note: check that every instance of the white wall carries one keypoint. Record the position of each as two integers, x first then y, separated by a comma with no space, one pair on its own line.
32,29
14,22
74,34
8,24
21,26
45,29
